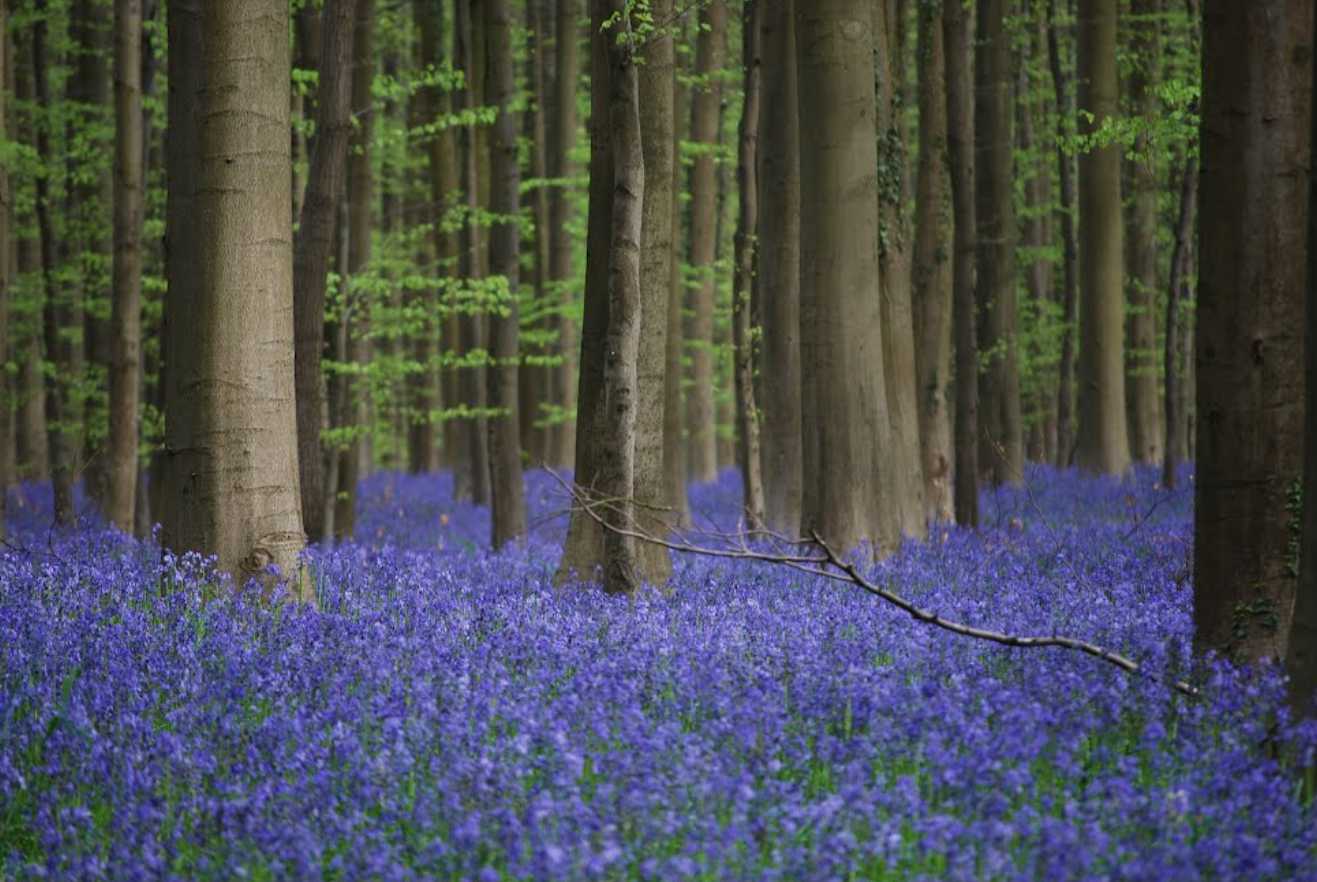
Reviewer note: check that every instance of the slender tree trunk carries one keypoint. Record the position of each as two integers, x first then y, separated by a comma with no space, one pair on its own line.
1176,293
747,182
472,478
314,247
1065,115
55,314
957,32
562,139
656,76
625,298
701,418
1145,429
533,379
235,491
308,46
779,269
674,411
126,319
508,500
933,270
894,267
1001,435
7,441
1103,439
849,486
1256,149
360,185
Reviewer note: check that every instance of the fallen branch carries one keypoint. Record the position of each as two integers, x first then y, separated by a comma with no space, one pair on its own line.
831,565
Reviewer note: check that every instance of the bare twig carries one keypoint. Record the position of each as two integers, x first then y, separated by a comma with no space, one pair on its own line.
826,562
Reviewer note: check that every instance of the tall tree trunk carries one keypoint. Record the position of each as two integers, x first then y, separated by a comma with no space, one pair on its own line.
56,313
1103,440
472,475
674,411
1256,149
701,418
747,182
1177,293
7,441
1065,116
1145,429
357,320
126,318
933,270
625,299
1001,431
562,138
847,476
957,33
533,378
507,497
656,76
779,269
313,248
308,46
235,492
894,270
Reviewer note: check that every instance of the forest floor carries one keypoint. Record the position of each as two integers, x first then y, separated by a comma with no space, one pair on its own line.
447,714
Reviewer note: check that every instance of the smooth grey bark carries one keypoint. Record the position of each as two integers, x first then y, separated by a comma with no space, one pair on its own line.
562,139
778,268
1177,292
1255,152
507,497
957,32
235,486
674,409
1065,115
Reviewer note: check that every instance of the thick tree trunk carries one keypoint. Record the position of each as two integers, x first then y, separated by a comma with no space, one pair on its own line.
779,269
1103,444
1176,293
562,139
314,247
897,319
1145,427
702,417
747,419
360,185
126,316
1001,431
235,491
933,270
1256,149
56,314
848,498
1065,115
507,496
656,77
957,32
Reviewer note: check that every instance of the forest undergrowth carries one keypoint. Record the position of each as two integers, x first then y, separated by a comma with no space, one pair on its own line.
446,713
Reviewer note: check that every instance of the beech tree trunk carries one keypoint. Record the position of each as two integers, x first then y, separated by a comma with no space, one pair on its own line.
314,247
1145,427
656,76
1255,154
933,270
1001,431
779,269
230,417
562,139
674,410
533,378
702,416
957,32
7,440
507,496
125,315
747,420
1103,444
1176,293
849,487
57,311
1065,115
